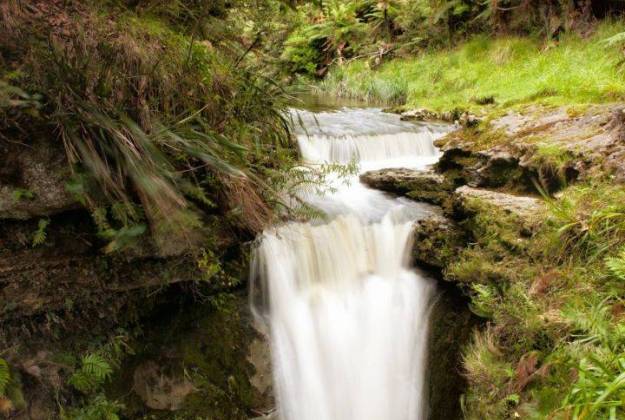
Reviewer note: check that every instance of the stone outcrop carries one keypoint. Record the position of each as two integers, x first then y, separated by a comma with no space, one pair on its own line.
66,290
524,208
439,239
425,186
546,147
159,389
203,362
419,114
451,328
32,181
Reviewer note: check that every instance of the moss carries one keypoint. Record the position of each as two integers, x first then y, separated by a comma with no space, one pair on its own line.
437,242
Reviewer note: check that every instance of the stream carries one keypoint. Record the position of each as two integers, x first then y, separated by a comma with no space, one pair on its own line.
347,313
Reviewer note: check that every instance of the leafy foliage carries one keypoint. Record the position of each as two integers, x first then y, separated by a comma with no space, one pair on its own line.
342,29
98,408
511,70
599,391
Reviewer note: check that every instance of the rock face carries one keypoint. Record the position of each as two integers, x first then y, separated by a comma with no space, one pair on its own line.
160,390
419,185
32,181
452,326
61,293
202,362
549,147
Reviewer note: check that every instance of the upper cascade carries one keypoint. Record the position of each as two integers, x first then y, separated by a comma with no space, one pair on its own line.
370,138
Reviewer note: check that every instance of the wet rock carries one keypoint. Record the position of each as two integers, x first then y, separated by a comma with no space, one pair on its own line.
500,168
270,416
456,116
425,186
259,356
467,119
437,240
419,114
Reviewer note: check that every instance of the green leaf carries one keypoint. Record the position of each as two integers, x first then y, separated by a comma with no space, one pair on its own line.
5,376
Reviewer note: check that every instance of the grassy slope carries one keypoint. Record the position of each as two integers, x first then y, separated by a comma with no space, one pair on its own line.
512,70
554,343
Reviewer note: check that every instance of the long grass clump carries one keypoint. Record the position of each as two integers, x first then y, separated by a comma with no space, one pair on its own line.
145,107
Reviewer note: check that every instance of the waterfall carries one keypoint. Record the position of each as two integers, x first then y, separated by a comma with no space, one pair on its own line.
347,315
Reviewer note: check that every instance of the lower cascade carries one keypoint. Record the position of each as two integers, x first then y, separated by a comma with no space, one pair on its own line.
346,312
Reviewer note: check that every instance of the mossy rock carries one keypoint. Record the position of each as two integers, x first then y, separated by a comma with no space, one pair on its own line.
437,241
425,186
202,354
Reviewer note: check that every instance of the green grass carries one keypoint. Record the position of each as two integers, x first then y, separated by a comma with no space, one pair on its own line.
513,70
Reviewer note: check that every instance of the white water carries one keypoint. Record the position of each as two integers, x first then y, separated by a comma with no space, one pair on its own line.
348,317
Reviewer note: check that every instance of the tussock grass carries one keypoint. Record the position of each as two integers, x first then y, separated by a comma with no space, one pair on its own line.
511,70
146,109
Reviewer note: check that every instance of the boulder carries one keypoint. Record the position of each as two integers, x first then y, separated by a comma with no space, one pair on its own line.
159,389
425,186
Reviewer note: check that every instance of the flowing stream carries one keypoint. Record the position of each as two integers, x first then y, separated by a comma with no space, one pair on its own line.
347,314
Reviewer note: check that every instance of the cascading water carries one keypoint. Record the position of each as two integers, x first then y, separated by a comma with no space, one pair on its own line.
347,316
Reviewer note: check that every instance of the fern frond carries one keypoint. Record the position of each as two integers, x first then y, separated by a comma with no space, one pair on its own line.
616,265
40,234
5,376
94,370
96,366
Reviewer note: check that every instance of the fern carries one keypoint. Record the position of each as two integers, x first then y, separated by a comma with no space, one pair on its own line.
616,265
94,371
483,300
40,234
5,376
98,408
